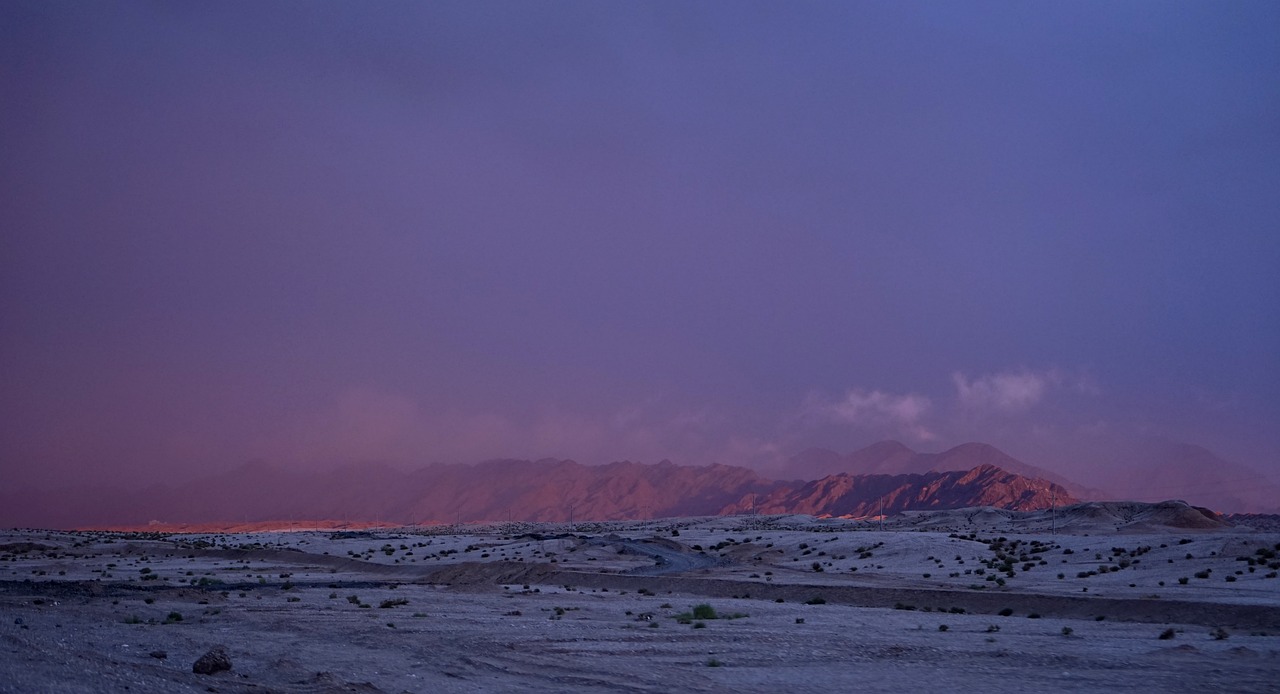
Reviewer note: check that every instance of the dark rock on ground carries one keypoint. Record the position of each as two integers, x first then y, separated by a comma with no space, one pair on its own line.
215,660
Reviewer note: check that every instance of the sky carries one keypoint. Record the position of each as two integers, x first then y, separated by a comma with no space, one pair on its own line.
316,233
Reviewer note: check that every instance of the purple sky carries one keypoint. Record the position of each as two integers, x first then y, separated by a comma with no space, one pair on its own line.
314,232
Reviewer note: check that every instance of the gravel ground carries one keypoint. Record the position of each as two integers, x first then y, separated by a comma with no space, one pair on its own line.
584,609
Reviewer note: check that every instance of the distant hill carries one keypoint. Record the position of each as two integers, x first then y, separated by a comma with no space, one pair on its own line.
1168,470
870,495
894,458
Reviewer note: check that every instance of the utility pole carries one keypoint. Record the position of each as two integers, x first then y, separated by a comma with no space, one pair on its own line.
1053,504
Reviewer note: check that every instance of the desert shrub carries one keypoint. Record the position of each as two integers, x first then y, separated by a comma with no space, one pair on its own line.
1203,574
943,627
1067,631
1166,634
714,663
699,625
1006,612
173,617
816,600
704,611
393,603
1219,634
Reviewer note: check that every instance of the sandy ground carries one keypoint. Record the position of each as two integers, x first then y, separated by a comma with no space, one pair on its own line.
599,607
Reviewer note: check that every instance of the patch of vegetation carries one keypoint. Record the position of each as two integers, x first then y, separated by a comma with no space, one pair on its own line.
1167,634
706,612
395,602
816,600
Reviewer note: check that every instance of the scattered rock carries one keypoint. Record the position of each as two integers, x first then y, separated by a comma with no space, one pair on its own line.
216,660
158,655
17,620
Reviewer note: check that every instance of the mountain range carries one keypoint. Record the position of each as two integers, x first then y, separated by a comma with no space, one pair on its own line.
887,477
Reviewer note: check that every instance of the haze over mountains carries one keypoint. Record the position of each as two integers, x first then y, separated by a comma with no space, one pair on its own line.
887,475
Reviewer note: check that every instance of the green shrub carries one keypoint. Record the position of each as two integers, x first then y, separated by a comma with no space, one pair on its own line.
704,611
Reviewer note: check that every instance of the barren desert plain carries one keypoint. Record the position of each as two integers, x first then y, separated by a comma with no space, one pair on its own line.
1095,597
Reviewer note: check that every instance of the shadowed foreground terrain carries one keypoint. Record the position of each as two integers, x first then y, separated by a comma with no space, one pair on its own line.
1130,597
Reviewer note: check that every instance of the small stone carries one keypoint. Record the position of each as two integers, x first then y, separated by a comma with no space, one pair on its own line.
216,660
158,655
17,620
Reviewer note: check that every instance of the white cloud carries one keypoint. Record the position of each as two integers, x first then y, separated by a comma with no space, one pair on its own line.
877,409
1014,391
